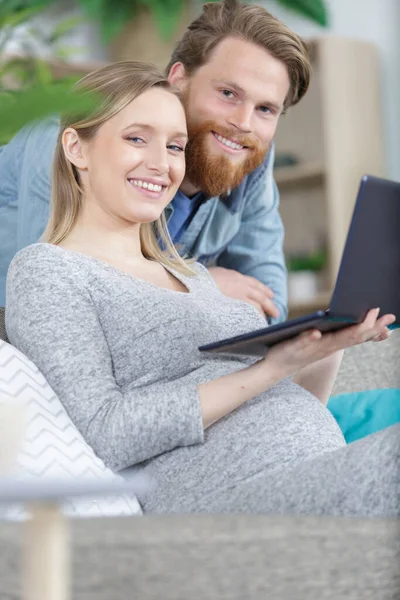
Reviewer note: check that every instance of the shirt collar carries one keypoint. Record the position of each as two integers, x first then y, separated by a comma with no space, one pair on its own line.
231,200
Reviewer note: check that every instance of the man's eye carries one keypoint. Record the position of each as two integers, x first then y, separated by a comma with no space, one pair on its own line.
227,93
265,109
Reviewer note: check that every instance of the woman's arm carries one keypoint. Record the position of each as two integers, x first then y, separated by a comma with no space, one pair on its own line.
314,360
223,395
51,317
319,377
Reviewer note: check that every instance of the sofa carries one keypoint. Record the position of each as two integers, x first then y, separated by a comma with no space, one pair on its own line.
241,557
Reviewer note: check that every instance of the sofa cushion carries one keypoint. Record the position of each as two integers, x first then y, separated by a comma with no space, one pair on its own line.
366,394
370,366
3,335
362,413
52,446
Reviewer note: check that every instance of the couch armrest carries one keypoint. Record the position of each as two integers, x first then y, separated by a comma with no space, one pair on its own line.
370,366
226,558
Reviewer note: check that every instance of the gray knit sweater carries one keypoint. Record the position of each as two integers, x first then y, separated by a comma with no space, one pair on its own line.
121,354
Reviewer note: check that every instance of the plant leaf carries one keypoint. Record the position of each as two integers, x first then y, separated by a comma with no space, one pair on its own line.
14,12
111,16
65,26
167,14
311,9
65,53
43,72
19,108
15,19
93,8
15,69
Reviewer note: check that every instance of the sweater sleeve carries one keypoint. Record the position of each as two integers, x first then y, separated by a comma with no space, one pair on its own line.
51,318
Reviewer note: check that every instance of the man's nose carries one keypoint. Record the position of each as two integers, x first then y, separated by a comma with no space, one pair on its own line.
241,118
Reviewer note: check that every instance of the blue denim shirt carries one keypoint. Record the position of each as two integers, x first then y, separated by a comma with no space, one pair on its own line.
242,231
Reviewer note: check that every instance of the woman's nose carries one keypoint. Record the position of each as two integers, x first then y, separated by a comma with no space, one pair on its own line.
158,161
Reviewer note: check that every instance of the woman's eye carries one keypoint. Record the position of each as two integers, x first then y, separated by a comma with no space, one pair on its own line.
135,139
175,148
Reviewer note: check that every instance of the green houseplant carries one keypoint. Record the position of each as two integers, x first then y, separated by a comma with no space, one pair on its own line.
167,13
28,88
39,94
150,28
304,271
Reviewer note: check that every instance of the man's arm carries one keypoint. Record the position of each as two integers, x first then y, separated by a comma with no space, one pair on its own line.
34,192
25,174
10,162
257,248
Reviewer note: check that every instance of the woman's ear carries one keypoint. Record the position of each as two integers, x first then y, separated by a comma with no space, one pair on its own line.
177,76
74,150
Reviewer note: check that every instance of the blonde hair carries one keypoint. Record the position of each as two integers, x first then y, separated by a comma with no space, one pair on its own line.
254,24
117,85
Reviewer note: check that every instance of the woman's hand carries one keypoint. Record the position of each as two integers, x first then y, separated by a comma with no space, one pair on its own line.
290,356
221,396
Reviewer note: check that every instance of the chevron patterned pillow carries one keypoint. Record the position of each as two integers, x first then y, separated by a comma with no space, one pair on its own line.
52,446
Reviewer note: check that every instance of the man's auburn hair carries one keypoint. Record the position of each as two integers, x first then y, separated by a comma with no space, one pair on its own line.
231,18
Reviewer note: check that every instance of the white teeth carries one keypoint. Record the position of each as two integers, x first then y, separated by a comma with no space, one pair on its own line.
152,187
228,143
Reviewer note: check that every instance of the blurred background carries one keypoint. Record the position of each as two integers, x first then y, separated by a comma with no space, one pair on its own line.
347,125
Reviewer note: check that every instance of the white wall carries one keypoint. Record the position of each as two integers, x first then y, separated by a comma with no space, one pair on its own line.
379,22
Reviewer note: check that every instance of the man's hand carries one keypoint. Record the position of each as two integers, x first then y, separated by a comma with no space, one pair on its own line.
246,288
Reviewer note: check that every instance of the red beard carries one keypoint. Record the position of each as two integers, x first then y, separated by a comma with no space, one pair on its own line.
216,175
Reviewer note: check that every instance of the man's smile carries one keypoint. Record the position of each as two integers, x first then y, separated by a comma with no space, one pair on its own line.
228,145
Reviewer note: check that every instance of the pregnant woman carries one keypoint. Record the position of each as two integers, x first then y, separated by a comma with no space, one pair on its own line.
113,317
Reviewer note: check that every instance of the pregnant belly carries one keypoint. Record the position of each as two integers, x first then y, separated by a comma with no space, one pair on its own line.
278,429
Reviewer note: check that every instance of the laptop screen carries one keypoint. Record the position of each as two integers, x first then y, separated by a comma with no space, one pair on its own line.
369,273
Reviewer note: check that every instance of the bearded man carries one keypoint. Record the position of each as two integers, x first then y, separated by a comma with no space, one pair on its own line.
238,68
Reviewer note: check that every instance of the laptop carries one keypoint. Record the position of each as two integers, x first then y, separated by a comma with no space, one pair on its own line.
369,274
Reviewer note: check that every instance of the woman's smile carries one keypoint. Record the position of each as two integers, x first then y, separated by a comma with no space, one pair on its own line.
150,187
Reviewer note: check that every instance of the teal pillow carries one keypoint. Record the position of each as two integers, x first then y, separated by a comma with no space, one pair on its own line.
361,413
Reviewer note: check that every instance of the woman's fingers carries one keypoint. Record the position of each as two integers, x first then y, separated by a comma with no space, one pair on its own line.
371,328
313,345
387,320
382,336
315,334
382,324
371,318
380,330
